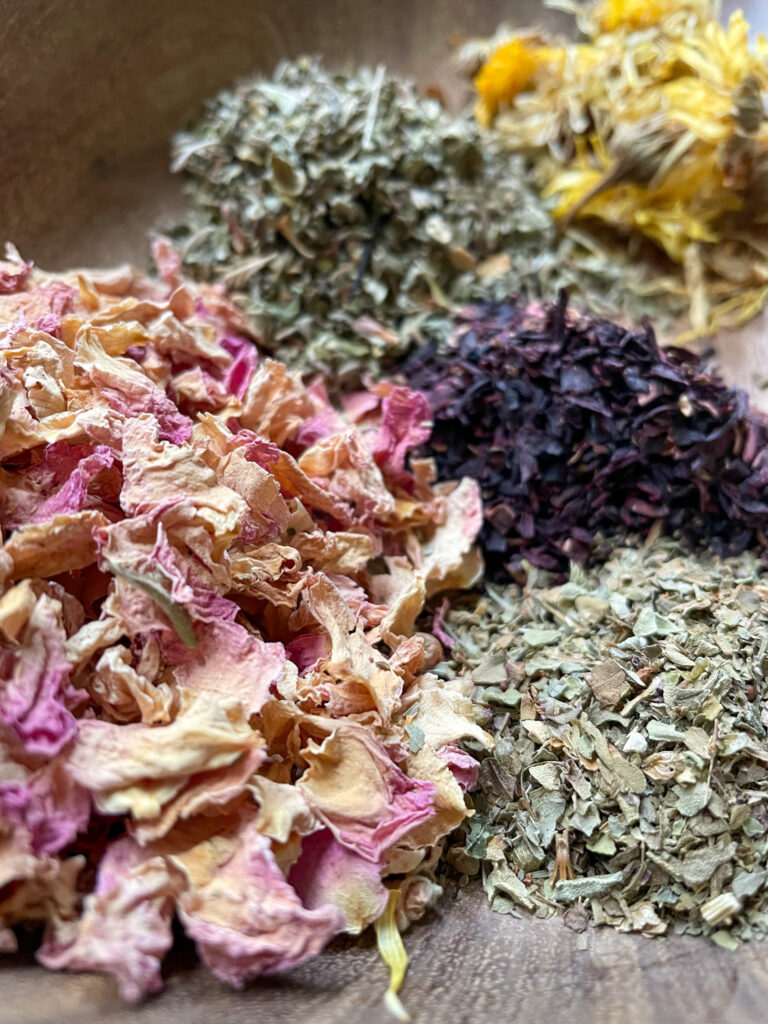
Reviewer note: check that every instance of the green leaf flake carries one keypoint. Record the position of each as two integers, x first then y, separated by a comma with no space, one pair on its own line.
153,584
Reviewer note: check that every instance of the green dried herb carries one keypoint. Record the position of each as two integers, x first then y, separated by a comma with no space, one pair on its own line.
354,217
154,584
629,707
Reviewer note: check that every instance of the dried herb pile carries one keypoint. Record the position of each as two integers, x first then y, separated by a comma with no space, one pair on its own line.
651,126
354,216
574,426
629,782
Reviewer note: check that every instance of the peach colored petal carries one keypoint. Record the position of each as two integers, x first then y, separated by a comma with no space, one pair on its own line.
63,544
352,657
248,920
126,694
118,762
125,928
329,873
353,786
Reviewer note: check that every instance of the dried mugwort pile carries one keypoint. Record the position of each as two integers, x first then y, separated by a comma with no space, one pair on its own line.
205,687
629,780
574,426
352,216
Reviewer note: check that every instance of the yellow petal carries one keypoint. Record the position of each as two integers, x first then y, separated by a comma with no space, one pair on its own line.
392,952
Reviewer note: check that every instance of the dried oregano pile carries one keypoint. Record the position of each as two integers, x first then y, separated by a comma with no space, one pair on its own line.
629,782
354,216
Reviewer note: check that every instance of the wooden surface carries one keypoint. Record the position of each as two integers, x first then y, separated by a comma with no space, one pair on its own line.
90,91
742,358
467,965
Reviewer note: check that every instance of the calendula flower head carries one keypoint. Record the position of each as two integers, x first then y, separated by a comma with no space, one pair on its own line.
509,70
694,186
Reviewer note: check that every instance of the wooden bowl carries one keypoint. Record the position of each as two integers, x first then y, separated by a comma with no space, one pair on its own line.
91,93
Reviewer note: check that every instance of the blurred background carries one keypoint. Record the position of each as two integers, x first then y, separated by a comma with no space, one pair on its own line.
91,91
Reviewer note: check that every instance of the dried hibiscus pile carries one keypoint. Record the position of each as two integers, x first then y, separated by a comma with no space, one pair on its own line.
208,586
574,426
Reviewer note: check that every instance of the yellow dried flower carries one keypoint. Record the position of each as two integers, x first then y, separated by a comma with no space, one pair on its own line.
508,71
392,952
654,127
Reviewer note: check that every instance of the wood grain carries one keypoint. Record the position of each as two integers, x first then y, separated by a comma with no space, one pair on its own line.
467,965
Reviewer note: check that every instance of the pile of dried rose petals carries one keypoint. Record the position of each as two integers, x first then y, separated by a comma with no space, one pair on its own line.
208,587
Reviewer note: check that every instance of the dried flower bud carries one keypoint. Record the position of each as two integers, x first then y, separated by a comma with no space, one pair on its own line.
417,894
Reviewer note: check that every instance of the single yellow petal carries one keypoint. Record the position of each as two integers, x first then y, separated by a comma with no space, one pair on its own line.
392,952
